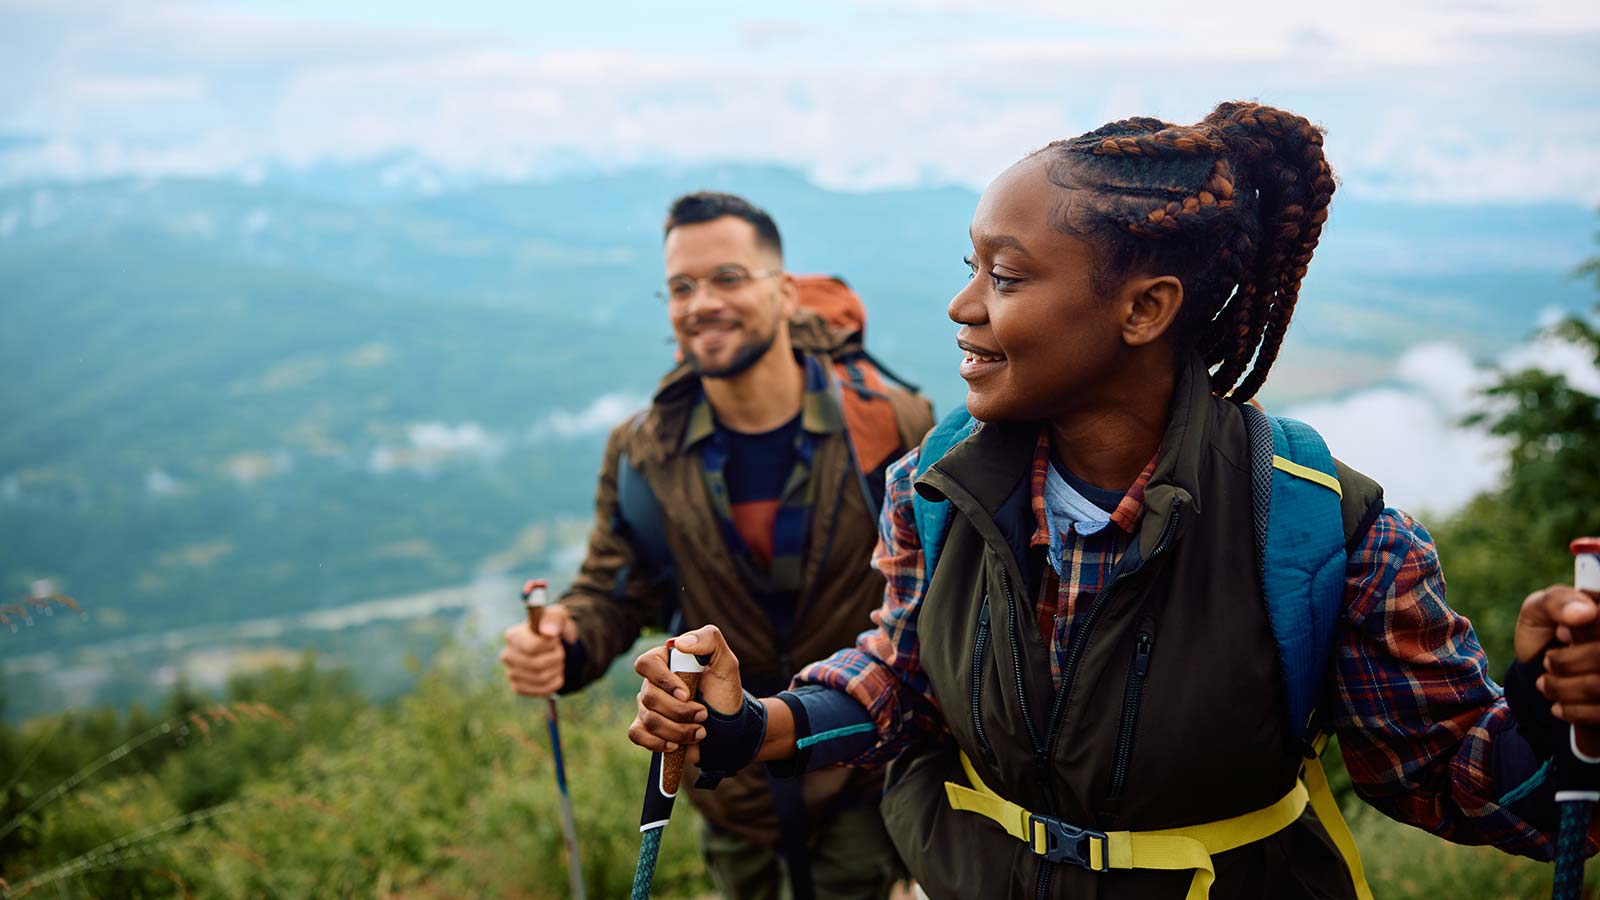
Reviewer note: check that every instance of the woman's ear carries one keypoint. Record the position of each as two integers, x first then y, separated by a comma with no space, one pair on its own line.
1150,306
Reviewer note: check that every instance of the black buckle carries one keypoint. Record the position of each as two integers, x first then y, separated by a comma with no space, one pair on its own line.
1067,843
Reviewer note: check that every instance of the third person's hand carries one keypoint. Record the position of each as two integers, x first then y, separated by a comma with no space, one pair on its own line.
1564,622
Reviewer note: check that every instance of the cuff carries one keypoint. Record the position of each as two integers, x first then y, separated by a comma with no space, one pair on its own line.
830,728
731,741
1542,731
577,661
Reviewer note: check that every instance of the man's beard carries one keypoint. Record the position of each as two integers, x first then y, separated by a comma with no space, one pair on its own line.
746,355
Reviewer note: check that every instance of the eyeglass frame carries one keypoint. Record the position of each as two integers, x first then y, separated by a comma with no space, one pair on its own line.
666,295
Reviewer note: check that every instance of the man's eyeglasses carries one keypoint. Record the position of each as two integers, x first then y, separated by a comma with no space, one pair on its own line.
724,282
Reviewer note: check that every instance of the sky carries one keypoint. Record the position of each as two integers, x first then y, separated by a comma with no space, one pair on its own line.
1451,100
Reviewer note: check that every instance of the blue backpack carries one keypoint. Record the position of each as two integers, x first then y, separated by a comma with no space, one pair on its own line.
1299,540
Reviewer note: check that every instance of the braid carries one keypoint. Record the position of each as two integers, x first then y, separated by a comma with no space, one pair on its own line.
1125,126
1233,205
1305,182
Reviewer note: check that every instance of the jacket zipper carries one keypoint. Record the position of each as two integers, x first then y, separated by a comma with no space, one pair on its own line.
1016,663
1080,637
1130,711
979,645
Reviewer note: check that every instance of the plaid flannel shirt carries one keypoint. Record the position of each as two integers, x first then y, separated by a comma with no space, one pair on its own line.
1412,703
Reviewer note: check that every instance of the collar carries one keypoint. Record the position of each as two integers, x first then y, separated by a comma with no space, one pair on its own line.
820,413
1125,516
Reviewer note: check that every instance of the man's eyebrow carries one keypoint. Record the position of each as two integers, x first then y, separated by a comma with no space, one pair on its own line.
724,267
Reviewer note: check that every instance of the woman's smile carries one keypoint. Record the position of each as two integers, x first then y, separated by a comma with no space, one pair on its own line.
978,361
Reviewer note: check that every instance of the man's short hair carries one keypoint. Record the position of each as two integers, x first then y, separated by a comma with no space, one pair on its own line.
704,206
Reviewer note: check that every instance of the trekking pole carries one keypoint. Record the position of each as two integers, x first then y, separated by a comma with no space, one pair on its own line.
533,594
1580,784
666,770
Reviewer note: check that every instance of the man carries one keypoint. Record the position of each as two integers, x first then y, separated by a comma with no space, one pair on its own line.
767,503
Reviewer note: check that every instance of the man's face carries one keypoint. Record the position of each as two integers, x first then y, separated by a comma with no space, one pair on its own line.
730,316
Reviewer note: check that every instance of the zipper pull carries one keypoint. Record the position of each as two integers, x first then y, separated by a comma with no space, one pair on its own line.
1141,655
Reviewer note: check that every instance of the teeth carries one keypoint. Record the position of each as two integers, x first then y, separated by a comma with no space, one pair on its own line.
973,357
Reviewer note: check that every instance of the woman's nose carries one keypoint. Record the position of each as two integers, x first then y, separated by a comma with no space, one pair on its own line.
966,307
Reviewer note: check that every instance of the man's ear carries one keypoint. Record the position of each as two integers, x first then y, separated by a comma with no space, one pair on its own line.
1149,307
788,296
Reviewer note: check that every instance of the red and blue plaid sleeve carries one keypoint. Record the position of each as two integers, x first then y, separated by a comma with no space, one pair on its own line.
1423,728
882,671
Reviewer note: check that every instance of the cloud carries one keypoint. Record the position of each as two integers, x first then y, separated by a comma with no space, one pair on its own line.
158,483
251,467
1408,434
433,444
1433,104
598,417
1549,354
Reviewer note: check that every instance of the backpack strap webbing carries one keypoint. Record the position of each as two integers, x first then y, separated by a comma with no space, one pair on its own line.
1187,847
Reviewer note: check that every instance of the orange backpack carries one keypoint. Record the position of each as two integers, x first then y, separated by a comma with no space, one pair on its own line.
869,415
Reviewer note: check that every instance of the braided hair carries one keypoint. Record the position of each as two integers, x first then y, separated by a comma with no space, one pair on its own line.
1233,206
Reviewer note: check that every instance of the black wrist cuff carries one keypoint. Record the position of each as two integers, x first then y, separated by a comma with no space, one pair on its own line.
731,741
572,671
1539,728
799,763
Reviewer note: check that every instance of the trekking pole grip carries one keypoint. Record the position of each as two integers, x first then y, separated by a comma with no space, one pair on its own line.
1586,577
689,669
533,591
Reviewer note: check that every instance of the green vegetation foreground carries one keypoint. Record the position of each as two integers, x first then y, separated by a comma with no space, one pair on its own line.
447,793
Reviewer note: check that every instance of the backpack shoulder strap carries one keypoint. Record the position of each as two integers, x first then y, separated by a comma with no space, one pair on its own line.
1300,552
933,517
640,523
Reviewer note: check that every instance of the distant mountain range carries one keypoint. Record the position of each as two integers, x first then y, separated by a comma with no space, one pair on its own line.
231,399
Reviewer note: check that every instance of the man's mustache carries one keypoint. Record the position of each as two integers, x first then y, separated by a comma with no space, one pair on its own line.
695,323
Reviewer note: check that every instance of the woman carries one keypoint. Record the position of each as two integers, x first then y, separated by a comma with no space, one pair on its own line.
1092,658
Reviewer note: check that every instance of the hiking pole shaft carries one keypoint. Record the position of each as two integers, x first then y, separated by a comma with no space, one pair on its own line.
533,594
1580,786
666,771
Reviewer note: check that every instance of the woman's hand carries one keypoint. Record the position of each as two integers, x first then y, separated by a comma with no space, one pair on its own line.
668,717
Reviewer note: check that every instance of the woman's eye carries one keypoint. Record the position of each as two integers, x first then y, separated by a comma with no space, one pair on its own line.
972,267
1002,283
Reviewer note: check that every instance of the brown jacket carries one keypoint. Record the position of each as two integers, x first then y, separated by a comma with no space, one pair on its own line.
612,599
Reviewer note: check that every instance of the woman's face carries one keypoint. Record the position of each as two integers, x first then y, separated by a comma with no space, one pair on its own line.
1036,340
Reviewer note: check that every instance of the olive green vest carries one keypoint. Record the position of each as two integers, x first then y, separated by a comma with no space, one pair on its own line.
1201,736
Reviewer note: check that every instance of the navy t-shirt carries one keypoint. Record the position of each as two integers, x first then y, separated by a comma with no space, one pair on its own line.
756,472
1104,498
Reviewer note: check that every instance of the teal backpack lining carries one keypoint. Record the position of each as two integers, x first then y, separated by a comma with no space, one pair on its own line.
1299,540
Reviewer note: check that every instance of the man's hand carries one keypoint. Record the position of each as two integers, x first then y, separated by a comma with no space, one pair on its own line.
536,661
668,717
